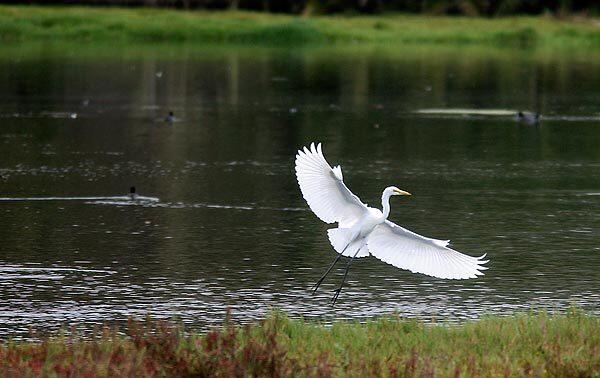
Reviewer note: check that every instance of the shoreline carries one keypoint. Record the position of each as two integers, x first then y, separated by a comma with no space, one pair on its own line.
20,24
530,344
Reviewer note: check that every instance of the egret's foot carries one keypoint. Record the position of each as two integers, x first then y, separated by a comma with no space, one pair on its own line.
314,288
335,296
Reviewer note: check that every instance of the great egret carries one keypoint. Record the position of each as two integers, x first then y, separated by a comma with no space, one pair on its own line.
363,231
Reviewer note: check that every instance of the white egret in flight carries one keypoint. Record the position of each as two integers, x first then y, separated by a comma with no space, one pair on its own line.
363,231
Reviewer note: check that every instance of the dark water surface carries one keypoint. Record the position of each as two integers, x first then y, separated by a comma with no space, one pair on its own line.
231,229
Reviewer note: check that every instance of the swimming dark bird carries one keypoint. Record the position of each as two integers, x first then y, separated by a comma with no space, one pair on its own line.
132,194
528,117
170,118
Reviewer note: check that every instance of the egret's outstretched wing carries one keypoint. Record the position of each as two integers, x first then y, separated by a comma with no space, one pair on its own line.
324,190
407,250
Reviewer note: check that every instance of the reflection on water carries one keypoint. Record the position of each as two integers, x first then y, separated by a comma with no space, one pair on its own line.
231,229
98,199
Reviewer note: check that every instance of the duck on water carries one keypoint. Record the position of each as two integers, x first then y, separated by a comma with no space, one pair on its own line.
132,194
528,117
170,118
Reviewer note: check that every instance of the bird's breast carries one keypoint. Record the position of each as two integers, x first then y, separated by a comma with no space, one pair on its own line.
376,215
374,218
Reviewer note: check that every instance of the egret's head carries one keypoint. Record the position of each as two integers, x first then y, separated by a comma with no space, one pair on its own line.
393,191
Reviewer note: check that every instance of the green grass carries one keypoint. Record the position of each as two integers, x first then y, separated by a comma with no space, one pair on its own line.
522,345
110,25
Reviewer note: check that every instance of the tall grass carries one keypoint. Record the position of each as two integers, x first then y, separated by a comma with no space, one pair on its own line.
532,344
34,23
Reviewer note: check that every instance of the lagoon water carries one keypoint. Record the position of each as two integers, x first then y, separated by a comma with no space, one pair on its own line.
231,230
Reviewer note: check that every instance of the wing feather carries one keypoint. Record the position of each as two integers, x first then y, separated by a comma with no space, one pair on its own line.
324,190
405,249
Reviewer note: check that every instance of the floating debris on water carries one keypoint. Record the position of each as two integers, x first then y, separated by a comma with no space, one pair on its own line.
459,111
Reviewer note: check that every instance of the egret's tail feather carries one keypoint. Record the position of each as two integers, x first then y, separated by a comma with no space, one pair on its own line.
342,241
339,238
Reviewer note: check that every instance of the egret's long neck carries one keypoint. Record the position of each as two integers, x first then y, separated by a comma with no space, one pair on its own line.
385,203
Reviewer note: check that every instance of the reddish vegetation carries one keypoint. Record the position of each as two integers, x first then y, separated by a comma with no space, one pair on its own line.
526,345
154,349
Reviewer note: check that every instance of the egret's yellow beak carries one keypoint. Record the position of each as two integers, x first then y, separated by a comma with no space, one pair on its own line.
399,192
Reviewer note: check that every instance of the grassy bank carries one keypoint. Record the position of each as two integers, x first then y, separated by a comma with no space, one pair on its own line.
34,23
538,345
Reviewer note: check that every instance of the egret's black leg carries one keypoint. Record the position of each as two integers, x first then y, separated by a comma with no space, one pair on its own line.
320,281
339,290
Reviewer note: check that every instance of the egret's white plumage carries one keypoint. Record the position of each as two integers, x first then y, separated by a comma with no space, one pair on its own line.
324,190
364,231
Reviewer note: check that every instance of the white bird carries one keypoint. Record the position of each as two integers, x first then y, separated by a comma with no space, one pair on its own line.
364,231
